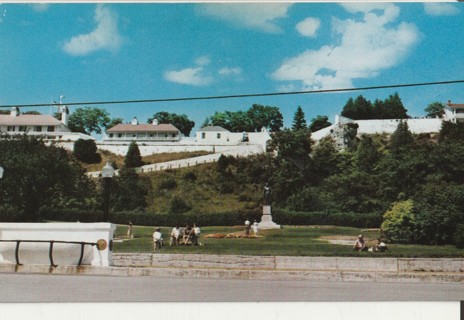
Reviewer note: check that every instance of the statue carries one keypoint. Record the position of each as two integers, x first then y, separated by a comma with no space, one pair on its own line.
267,194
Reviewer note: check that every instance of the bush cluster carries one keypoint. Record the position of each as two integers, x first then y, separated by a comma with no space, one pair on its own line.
346,219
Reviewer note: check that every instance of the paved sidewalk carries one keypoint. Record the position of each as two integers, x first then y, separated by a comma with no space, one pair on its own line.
266,268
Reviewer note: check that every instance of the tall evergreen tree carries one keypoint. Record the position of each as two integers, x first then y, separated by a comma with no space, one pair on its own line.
401,139
299,121
133,158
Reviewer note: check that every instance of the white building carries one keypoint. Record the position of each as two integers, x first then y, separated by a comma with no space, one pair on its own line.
142,133
455,111
44,126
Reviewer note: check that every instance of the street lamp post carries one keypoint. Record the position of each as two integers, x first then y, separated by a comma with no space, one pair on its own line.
107,175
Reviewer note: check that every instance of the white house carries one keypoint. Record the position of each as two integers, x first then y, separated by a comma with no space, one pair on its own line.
41,125
142,132
455,111
217,135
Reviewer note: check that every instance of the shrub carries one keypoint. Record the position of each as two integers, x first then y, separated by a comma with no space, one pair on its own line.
86,151
190,176
168,184
399,222
179,205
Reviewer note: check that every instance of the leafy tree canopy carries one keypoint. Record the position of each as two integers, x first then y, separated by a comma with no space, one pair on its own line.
114,122
253,119
180,121
88,120
318,123
38,176
435,110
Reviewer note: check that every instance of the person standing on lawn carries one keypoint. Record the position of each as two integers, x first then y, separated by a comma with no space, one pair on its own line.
247,227
255,227
196,234
157,239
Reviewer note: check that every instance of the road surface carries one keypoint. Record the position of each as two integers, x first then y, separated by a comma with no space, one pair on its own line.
72,288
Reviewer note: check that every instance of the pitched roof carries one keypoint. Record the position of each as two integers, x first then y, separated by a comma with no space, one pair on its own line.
143,128
213,128
29,120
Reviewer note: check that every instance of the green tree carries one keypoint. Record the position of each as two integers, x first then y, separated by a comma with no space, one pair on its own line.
326,159
4,111
86,151
399,222
367,156
265,116
88,120
318,123
180,121
394,108
38,176
299,121
133,158
358,109
401,139
435,110
113,122
130,192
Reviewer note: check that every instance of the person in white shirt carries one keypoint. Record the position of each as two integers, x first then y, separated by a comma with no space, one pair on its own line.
255,227
175,234
157,239
247,227
196,234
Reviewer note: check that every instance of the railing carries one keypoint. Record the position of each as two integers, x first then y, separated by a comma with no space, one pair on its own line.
50,252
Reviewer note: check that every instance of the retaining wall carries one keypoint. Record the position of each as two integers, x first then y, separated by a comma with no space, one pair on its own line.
396,265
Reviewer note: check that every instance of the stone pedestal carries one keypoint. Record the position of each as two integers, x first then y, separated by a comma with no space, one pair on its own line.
266,219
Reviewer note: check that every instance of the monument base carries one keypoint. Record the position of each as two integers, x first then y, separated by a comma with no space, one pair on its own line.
266,219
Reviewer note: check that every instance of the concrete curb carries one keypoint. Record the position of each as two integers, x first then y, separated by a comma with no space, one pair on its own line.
242,273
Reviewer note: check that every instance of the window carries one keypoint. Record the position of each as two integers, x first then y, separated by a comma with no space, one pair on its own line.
50,128
119,135
165,135
38,129
22,128
111,135
219,136
174,135
10,128
203,135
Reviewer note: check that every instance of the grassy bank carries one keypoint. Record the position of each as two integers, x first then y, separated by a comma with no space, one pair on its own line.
289,241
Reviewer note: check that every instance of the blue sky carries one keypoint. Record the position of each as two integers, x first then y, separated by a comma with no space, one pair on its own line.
108,52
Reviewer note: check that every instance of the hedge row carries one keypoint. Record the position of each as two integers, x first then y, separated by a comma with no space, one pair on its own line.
153,219
345,219
280,216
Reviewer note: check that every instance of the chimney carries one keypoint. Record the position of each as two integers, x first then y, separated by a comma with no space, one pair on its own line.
64,115
155,122
14,111
134,121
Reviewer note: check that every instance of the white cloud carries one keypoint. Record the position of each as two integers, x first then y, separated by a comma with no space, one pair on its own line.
104,37
364,49
227,71
308,27
203,61
189,76
256,16
440,9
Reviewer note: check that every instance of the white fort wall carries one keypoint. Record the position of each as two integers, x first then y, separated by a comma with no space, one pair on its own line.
416,126
63,253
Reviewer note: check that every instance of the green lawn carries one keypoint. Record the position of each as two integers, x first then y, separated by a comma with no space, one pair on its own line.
289,241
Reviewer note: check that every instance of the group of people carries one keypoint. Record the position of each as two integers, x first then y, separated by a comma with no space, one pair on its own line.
249,226
360,245
186,236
